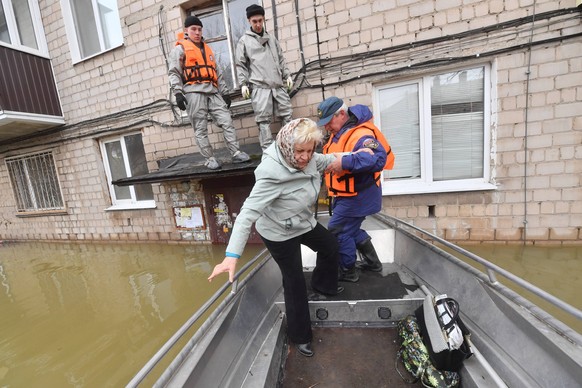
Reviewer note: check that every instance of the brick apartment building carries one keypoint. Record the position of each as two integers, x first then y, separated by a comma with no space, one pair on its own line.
480,101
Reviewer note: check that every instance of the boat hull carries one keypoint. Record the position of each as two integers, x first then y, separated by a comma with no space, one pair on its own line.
244,344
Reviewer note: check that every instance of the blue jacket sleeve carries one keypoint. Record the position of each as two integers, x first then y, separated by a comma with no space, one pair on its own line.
362,161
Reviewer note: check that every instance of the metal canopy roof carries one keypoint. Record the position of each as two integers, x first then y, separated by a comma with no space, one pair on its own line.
191,166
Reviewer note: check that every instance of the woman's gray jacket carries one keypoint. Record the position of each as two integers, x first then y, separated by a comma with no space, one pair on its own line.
281,201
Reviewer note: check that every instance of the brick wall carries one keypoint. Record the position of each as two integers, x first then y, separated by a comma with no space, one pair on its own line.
544,206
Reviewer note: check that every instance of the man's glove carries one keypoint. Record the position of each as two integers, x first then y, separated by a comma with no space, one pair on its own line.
181,101
227,99
246,93
289,83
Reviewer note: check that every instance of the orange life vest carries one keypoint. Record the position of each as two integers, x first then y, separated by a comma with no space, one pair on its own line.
198,68
343,185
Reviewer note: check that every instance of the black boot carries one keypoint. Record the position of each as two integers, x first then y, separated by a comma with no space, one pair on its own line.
305,349
339,290
348,275
370,261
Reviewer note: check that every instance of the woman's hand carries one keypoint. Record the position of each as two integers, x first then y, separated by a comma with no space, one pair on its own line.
336,165
227,265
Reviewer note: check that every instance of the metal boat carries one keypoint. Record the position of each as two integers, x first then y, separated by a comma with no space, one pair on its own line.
243,343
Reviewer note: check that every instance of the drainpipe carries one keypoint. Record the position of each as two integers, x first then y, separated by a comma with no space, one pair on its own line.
525,159
318,51
300,34
227,29
274,8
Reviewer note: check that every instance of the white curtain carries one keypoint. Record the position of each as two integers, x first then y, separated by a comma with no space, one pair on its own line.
457,125
399,116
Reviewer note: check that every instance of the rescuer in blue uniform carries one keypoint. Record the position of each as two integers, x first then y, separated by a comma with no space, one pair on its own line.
353,181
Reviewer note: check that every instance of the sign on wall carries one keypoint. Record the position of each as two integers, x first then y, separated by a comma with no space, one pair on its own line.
189,217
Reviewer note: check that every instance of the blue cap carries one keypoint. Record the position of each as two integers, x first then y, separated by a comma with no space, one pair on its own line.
326,110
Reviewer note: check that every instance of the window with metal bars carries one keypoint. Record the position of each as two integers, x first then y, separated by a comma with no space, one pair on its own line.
35,182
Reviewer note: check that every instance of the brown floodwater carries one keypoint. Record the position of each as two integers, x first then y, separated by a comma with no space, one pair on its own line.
91,315
556,270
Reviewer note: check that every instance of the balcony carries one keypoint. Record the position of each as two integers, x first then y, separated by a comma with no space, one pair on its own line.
29,101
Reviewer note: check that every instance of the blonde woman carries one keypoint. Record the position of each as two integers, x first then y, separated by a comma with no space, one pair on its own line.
286,186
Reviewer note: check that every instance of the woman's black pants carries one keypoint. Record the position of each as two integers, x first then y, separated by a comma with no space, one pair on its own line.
287,254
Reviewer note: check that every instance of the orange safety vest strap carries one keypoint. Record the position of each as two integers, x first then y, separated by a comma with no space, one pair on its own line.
346,180
344,185
194,74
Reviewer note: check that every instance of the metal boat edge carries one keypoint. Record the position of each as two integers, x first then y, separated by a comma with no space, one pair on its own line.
516,343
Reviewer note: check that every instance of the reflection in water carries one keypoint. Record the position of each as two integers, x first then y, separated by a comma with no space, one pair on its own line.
556,270
91,315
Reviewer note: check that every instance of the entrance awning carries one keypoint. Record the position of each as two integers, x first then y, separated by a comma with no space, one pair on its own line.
191,166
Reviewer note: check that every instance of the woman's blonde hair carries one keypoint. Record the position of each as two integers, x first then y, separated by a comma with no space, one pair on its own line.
307,131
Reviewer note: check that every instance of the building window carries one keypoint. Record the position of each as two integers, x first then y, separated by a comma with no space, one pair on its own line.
438,127
224,24
35,183
21,26
93,27
124,157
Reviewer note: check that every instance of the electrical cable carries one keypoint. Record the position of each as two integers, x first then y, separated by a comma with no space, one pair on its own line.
162,36
107,120
355,67
526,111
319,60
499,34
275,25
97,133
301,52
439,61
299,34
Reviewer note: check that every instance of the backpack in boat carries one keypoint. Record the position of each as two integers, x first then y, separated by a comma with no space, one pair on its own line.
444,333
416,359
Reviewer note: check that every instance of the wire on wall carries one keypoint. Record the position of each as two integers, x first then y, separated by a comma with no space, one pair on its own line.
525,135
301,53
275,25
112,123
318,51
326,72
162,36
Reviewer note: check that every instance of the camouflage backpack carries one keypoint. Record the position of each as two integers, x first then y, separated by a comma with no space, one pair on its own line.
415,357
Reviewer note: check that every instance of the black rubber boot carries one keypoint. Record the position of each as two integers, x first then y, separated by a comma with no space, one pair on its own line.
349,275
370,261
305,349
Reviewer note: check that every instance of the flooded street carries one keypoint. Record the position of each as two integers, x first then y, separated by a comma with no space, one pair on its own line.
91,315
556,270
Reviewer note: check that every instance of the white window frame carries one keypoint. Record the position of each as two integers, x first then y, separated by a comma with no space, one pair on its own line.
35,190
71,31
425,184
13,29
122,204
224,8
